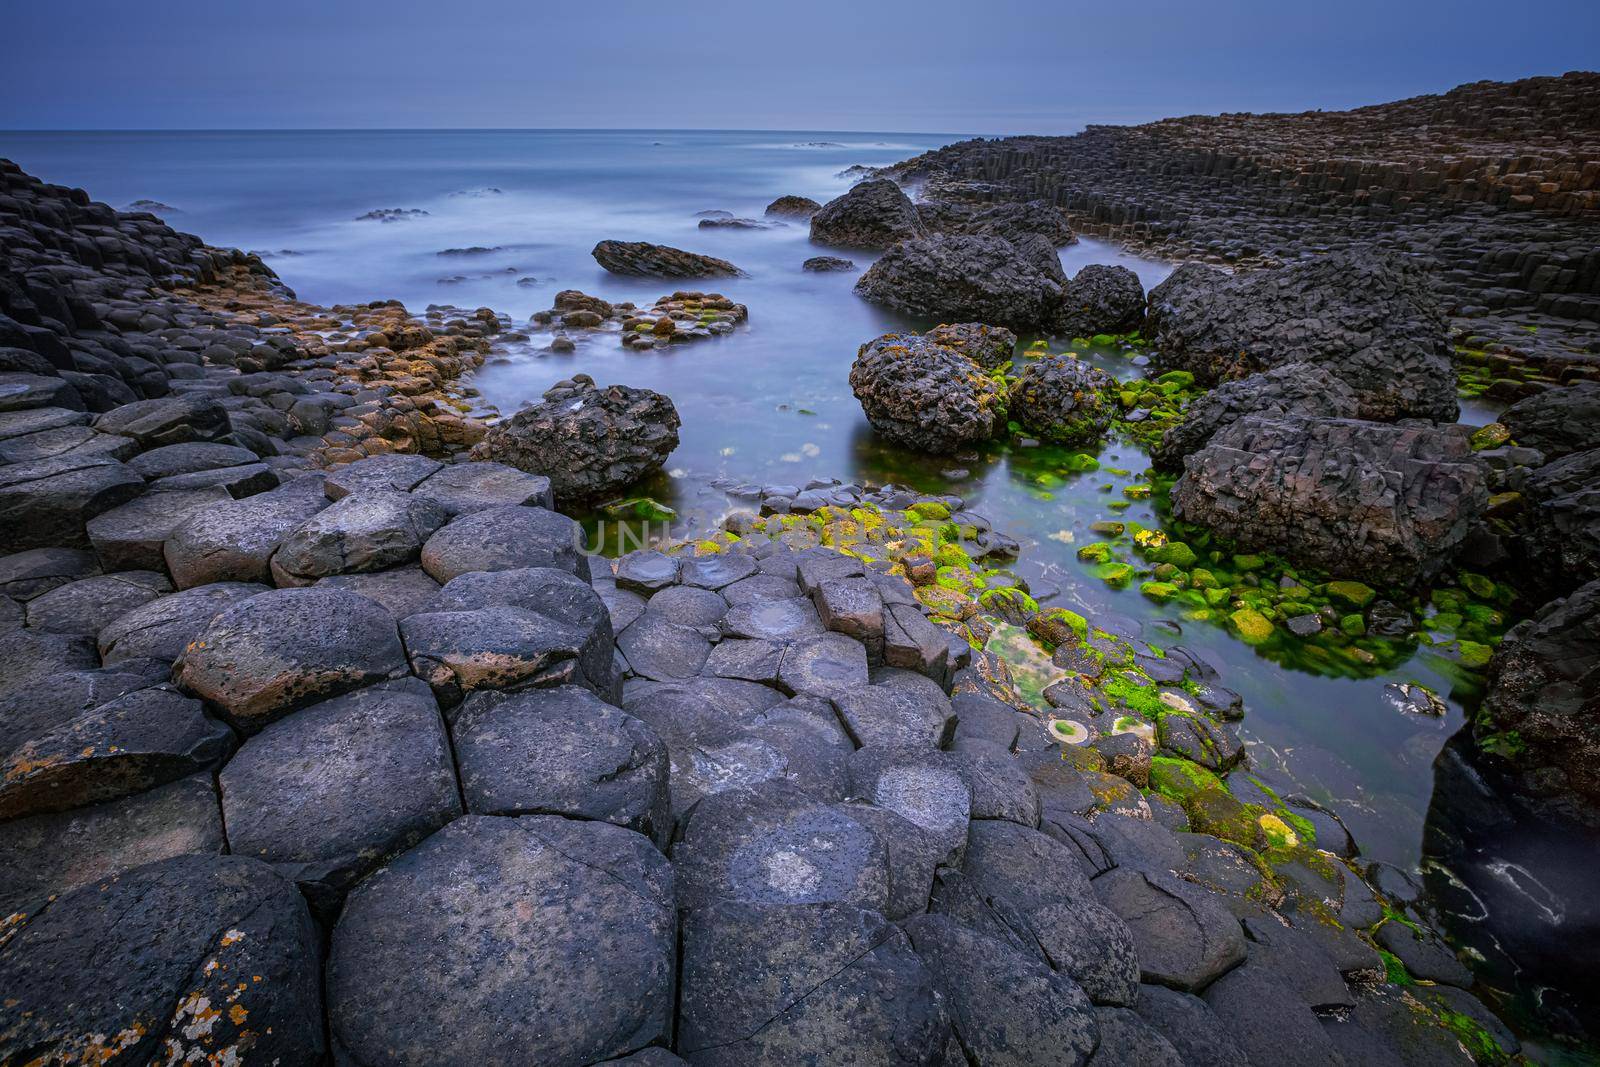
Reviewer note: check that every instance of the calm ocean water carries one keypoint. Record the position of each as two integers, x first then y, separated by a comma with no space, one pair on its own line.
769,403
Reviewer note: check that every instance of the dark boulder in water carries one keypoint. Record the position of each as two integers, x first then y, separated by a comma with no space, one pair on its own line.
1100,299
587,440
643,260
925,394
1371,320
1062,399
981,279
1389,502
793,207
874,214
828,263
1560,542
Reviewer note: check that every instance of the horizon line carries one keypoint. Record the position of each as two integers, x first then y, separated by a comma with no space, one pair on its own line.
485,129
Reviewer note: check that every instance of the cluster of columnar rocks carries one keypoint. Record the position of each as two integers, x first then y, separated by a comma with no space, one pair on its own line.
676,318
1492,185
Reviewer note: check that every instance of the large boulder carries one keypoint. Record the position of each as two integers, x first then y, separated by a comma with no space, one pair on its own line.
281,650
501,937
873,214
1100,299
590,442
1372,321
1062,399
959,278
793,207
1544,694
644,260
927,395
194,959
1557,422
1389,503
1294,388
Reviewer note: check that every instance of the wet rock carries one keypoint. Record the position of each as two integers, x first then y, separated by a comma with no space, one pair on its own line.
1185,939
641,259
1388,1026
1558,422
1099,299
773,844
132,536
689,606
48,503
1392,502
173,941
647,570
590,442
873,214
1544,690
766,985
234,541
990,347
529,933
170,420
284,649
1292,389
755,661
336,789
1560,542
48,855
1370,320
1062,399
717,570
392,473
793,207
462,488
962,279
562,752
926,395
502,538
1424,953
823,264
135,742
1006,1007
362,531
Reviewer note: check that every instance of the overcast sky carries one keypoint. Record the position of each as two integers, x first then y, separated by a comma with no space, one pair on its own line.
984,66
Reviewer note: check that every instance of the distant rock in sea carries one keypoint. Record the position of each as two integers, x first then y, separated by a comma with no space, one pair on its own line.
154,207
391,214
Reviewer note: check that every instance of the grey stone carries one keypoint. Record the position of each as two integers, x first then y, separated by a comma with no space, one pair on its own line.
234,541
502,538
463,488
131,536
84,606
360,532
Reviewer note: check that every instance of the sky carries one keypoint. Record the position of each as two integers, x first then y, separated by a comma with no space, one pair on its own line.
979,67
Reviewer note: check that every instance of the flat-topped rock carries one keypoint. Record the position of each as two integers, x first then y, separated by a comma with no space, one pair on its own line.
401,591
461,488
162,629
133,536
48,503
502,538
527,933
370,530
562,752
1185,937
281,650
167,461
234,541
334,790
396,472
170,420
767,985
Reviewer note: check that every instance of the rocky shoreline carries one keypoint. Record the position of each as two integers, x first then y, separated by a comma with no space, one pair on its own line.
325,739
